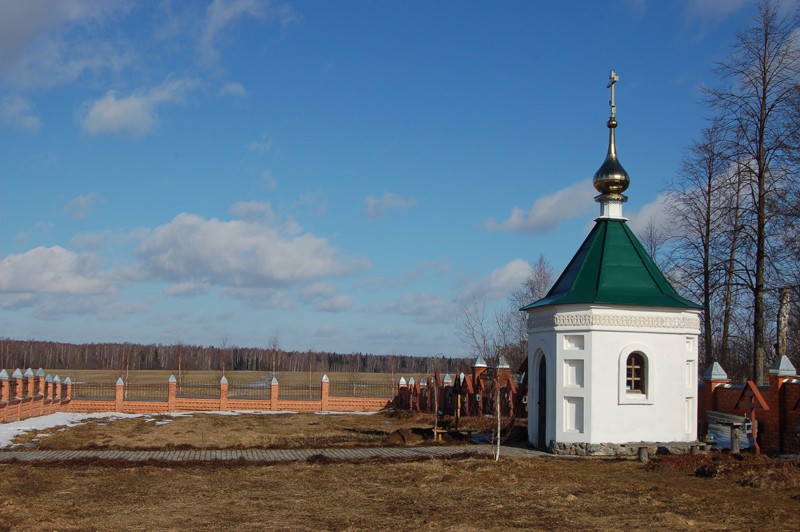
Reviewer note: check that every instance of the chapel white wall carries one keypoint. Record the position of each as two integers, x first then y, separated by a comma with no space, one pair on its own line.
667,337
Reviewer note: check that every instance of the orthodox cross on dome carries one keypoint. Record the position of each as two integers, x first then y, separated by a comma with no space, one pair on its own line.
611,180
613,80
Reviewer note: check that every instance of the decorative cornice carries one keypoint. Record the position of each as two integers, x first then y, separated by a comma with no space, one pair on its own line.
626,321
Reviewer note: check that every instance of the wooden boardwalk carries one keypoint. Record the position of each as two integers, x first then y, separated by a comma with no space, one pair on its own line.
266,455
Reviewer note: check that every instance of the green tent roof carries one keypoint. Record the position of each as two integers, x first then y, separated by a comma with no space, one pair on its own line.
612,267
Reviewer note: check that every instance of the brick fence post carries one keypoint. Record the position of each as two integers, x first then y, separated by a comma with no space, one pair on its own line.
57,386
172,393
119,397
274,391
223,393
40,381
713,378
325,393
17,376
31,384
48,389
68,384
4,386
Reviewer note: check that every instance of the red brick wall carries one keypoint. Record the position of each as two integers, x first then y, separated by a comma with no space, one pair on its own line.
778,427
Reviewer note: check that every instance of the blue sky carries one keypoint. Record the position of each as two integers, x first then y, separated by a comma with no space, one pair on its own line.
346,176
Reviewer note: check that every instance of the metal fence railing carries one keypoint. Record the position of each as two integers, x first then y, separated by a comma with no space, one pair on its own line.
205,390
94,390
302,392
249,390
146,392
386,389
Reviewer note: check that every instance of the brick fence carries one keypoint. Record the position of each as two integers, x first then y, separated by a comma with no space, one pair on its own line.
775,407
30,395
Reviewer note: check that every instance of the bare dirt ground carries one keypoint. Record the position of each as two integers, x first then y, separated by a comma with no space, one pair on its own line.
714,491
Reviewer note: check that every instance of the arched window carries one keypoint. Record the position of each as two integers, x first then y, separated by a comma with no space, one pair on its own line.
636,373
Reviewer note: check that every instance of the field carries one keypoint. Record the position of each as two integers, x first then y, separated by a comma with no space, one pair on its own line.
711,491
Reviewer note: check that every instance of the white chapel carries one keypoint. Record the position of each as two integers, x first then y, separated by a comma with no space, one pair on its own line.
612,347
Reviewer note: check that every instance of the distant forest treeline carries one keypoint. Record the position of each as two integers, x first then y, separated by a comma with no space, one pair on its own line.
35,354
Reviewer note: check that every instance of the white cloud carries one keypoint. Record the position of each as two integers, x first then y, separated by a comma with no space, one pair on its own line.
233,89
338,303
221,14
187,288
253,210
50,42
18,112
326,330
656,210
547,212
135,115
426,308
53,270
268,181
262,144
499,283
239,254
81,206
376,208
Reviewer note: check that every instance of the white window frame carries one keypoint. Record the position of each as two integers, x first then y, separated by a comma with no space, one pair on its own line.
628,397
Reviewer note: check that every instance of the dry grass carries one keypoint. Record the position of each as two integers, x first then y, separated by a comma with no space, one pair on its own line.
245,431
466,493
714,491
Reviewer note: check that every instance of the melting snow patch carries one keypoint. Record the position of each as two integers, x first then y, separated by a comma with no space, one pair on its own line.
8,431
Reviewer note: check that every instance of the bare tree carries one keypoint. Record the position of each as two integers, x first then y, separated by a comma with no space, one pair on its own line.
506,332
760,109
274,349
697,207
653,238
477,331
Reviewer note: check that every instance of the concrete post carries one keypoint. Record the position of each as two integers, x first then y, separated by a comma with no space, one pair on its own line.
119,396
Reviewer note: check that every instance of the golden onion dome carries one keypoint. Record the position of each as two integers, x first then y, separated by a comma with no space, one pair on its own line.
611,177
611,180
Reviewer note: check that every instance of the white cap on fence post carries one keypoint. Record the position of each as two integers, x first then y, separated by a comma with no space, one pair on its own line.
40,372
3,375
223,380
57,379
325,378
274,381
28,373
120,382
17,374
172,378
402,381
